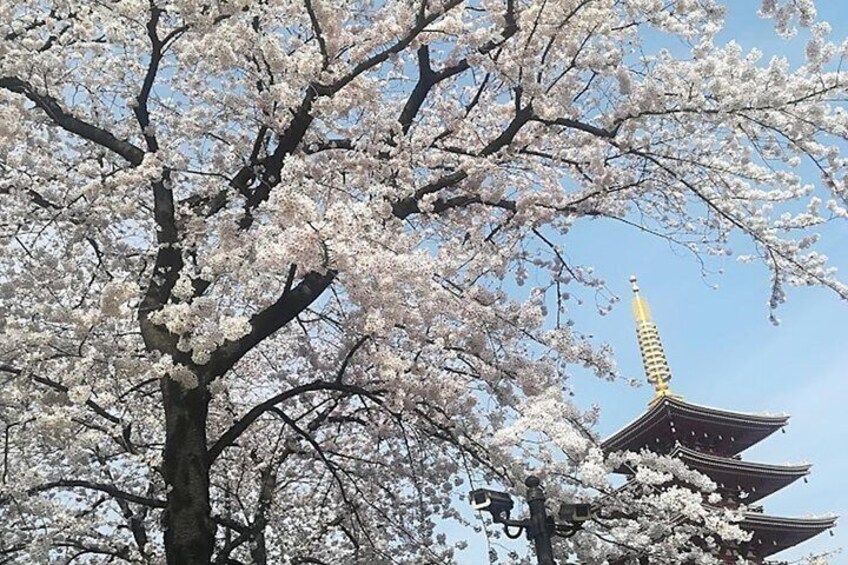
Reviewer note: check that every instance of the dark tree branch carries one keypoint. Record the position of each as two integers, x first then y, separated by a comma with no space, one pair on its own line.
319,35
328,145
580,126
71,123
271,319
231,524
99,410
36,198
407,206
108,489
428,78
140,110
169,263
169,260
235,431
273,164
35,24
384,55
523,116
410,205
346,361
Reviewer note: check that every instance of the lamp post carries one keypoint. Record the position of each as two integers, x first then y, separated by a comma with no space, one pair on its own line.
539,530
539,527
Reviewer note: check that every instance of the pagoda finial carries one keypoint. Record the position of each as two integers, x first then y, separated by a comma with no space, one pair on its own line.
653,356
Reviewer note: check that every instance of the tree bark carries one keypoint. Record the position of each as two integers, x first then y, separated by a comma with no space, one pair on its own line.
189,529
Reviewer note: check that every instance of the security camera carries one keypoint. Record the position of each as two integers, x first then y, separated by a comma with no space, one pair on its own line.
497,503
575,513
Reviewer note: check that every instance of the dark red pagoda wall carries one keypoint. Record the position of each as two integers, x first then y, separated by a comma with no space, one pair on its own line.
716,438
733,483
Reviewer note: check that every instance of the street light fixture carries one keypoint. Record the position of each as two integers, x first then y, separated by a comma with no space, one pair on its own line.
539,527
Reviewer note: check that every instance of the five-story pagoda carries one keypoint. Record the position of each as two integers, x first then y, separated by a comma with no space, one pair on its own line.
710,441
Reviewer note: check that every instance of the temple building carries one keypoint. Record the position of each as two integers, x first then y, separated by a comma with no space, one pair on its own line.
710,440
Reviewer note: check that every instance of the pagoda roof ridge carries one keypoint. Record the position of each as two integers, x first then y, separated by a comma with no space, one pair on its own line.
770,417
757,518
780,468
773,534
669,404
761,414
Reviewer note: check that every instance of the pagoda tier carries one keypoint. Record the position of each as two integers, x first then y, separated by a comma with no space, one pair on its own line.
734,476
738,480
771,534
671,421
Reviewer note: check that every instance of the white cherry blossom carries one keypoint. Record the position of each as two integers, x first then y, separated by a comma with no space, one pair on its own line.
280,281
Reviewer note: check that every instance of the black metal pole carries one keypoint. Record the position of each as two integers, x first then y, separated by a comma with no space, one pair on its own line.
539,530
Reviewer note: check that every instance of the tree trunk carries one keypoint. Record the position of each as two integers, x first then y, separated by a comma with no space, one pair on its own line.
189,529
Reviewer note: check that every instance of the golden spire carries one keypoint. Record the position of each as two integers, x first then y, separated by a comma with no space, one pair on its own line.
653,356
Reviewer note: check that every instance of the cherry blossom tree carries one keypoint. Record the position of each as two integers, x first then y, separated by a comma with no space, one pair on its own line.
262,283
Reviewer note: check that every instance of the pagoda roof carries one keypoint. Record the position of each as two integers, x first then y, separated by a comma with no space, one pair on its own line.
758,480
671,421
771,534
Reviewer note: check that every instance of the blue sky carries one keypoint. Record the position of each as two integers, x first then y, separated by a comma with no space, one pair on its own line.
722,349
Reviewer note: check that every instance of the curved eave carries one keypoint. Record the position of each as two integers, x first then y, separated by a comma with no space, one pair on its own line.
772,534
620,437
757,480
631,435
782,522
777,421
696,458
